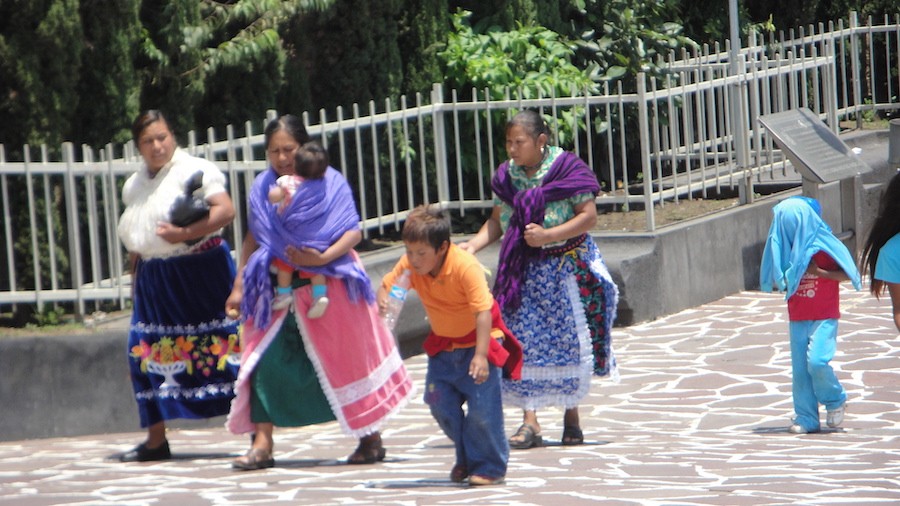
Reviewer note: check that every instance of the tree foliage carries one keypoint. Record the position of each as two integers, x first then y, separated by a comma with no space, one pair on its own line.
40,65
422,31
624,37
79,70
109,87
532,59
353,59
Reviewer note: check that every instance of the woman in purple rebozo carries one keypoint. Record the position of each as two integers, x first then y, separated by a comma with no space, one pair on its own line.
554,290
298,371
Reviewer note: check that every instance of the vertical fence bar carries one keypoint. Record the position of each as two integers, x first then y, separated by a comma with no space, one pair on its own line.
457,149
873,76
376,162
479,158
829,81
392,159
407,148
423,164
32,222
489,121
644,134
441,169
112,208
74,239
7,224
48,222
854,66
674,138
623,155
93,224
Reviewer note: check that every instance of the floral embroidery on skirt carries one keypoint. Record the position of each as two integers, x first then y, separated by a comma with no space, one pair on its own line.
183,353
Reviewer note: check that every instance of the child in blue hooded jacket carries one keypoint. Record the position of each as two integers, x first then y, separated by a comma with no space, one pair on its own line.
803,258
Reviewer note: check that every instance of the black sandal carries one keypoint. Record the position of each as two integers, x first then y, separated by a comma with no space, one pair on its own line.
525,438
369,451
572,435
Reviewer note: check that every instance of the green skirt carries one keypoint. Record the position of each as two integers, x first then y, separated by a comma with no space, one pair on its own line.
285,388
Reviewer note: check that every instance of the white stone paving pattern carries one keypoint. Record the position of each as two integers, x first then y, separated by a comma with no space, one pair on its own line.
699,417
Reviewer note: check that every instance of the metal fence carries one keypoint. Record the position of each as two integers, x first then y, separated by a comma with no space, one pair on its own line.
687,133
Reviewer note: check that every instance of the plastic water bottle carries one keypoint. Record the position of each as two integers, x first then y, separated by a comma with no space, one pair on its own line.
396,298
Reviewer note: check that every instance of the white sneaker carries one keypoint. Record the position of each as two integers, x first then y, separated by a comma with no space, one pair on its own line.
318,308
798,429
836,416
282,301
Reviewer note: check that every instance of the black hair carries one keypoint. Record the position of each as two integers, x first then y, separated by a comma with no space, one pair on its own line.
311,161
290,124
146,119
885,226
531,121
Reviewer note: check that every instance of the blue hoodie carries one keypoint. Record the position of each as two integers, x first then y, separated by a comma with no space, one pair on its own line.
796,234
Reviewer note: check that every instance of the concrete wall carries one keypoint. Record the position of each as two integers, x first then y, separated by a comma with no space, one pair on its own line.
686,265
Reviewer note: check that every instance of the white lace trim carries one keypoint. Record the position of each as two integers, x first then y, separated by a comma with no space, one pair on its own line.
152,328
212,390
357,390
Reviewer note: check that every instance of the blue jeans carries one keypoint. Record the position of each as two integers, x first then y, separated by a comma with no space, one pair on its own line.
813,344
478,433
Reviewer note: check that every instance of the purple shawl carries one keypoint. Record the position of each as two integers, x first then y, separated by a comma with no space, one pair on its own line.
567,177
319,213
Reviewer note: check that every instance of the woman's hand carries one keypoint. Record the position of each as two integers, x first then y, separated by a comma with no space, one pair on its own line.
233,303
306,257
170,233
584,220
311,257
536,236
467,247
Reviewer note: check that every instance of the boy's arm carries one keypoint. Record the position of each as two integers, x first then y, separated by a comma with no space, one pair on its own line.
381,298
384,288
838,275
479,369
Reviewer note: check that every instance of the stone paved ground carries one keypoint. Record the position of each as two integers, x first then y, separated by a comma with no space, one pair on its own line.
700,417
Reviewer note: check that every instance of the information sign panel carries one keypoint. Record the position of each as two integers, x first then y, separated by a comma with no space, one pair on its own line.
816,151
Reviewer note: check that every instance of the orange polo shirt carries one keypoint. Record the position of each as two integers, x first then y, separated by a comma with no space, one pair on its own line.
453,297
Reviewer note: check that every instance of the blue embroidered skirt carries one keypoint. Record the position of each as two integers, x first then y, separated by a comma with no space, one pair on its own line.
563,322
183,354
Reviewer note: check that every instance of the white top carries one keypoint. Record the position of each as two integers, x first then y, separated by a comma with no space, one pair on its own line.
148,199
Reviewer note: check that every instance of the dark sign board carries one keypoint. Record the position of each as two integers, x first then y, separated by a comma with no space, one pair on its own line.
817,152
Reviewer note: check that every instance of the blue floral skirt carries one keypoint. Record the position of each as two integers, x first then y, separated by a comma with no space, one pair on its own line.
183,353
564,320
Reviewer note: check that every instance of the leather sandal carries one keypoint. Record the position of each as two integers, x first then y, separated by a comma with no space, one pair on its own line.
525,438
459,473
480,481
369,451
253,460
572,435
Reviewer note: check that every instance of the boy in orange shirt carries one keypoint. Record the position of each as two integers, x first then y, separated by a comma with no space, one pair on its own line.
465,356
